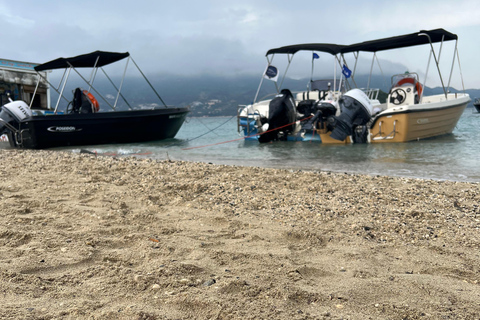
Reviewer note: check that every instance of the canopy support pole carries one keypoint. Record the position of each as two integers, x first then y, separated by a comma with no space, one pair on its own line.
121,85
149,83
453,62
93,74
63,88
311,75
371,70
123,98
290,58
261,80
35,92
460,68
54,88
87,82
426,74
436,62
352,75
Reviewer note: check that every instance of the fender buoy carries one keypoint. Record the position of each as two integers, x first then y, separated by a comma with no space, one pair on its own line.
412,81
92,99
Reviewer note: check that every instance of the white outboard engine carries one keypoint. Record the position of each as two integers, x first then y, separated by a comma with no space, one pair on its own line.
356,111
11,114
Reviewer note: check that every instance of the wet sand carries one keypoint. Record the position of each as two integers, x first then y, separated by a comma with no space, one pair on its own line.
87,237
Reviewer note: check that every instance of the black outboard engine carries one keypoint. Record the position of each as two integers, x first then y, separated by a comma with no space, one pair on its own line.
305,108
321,111
11,114
356,110
281,113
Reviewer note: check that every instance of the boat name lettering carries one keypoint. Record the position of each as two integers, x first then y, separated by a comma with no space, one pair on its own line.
422,121
174,116
63,129
25,113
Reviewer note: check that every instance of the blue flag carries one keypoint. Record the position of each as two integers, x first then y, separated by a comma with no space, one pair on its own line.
346,72
315,56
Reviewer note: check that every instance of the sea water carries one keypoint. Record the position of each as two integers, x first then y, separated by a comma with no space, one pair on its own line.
216,140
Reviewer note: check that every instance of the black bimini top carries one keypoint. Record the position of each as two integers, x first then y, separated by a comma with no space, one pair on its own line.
322,47
88,60
407,40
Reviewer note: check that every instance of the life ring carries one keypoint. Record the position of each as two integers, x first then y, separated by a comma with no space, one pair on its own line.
92,99
412,81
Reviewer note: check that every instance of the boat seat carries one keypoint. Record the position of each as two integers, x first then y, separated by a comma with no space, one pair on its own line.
81,103
319,89
308,95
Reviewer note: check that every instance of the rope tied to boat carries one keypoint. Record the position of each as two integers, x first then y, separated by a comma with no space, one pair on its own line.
250,136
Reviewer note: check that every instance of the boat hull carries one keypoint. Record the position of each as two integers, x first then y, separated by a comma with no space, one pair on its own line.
418,122
48,131
477,107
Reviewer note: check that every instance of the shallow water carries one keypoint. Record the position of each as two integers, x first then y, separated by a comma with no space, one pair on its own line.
215,140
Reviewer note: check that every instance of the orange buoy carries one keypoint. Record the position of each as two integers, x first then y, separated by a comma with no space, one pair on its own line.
93,101
412,81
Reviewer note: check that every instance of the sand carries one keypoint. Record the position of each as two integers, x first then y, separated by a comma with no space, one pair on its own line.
87,237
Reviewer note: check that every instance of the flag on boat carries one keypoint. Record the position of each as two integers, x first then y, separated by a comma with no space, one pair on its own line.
315,56
346,72
271,73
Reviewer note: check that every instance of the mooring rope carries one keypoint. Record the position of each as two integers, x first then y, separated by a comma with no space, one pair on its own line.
203,134
242,138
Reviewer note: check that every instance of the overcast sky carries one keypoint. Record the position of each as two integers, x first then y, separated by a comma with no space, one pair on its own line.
227,37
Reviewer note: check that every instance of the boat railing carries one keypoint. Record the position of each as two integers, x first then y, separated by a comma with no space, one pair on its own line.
372,94
391,135
9,126
16,133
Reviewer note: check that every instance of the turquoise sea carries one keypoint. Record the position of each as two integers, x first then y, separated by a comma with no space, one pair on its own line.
452,157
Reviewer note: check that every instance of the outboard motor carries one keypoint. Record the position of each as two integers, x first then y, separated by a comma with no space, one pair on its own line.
11,114
322,110
356,110
305,108
281,113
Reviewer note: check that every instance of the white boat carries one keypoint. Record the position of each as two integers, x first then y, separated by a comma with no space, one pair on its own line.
291,112
343,113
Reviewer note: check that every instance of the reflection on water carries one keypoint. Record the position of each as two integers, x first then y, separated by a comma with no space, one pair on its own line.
450,157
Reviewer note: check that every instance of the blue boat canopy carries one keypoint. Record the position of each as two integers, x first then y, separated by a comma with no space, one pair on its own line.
90,60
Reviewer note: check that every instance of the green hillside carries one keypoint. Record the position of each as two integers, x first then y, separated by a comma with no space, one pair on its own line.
209,95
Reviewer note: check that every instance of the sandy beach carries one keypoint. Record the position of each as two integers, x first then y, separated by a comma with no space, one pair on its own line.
95,237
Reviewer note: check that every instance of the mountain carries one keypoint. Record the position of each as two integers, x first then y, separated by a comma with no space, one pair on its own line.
221,96
209,95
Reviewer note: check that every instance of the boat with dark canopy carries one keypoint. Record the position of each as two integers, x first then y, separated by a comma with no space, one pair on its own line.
340,112
31,122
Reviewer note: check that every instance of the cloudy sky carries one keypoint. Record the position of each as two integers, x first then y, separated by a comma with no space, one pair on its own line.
227,37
